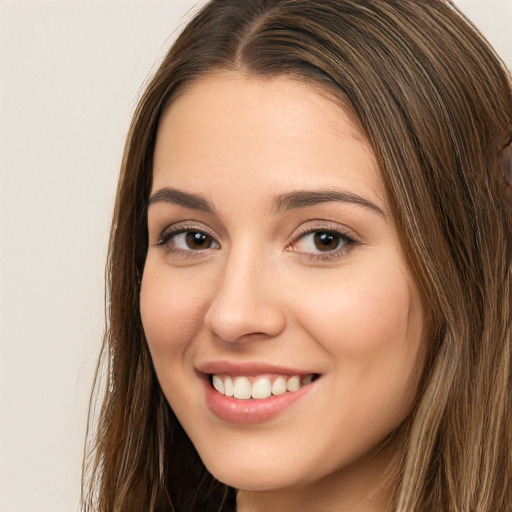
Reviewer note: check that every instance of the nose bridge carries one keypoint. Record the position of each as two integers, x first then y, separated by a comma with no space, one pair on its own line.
245,301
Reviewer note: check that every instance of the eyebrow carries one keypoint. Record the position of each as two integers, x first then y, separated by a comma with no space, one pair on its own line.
289,201
305,198
185,199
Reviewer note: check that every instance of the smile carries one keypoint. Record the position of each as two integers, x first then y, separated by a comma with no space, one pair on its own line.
258,387
253,393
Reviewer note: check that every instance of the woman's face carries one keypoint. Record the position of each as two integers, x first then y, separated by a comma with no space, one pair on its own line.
273,264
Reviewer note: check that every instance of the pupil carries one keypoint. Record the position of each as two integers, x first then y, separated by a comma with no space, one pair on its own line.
326,241
198,240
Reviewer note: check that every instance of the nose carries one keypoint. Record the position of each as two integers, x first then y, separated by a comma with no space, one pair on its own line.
246,304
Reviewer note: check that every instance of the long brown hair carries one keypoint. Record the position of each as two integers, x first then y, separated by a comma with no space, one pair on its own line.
435,102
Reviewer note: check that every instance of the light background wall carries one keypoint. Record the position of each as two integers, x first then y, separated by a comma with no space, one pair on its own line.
70,74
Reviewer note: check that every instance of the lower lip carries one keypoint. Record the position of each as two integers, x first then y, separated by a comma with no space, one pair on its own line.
234,410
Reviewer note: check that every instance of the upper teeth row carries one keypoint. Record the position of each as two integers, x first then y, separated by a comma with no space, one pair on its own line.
261,387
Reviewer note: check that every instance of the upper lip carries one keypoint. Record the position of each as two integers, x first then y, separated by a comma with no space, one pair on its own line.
248,368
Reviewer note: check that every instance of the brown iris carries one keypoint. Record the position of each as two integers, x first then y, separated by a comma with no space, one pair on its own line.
197,240
325,241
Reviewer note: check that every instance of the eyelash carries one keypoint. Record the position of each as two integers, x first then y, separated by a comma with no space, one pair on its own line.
347,241
169,233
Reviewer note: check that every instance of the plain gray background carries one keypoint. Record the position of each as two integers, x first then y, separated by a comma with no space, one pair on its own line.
70,75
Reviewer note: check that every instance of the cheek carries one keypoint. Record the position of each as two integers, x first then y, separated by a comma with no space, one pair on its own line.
171,312
170,319
362,311
370,323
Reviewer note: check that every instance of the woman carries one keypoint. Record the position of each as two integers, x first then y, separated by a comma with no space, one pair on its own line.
309,268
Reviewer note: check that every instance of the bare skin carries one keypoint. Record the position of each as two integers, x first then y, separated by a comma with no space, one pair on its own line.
271,247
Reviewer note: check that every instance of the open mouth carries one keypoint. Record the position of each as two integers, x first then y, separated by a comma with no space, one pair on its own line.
259,387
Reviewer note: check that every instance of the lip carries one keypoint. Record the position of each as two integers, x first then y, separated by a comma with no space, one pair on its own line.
234,410
248,369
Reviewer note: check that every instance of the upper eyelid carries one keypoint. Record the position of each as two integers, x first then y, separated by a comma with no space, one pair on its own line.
349,240
181,227
173,230
324,226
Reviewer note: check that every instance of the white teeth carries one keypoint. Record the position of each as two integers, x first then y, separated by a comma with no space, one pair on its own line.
228,387
218,384
279,386
242,388
262,387
293,383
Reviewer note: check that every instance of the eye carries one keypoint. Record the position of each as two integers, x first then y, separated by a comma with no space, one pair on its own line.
322,243
181,239
325,241
193,240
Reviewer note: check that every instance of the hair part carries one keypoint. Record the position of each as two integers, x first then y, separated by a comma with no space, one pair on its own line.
435,103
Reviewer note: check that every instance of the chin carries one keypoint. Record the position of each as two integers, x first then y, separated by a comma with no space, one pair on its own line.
252,473
255,479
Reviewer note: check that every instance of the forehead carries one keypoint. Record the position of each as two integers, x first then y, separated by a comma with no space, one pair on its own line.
280,131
